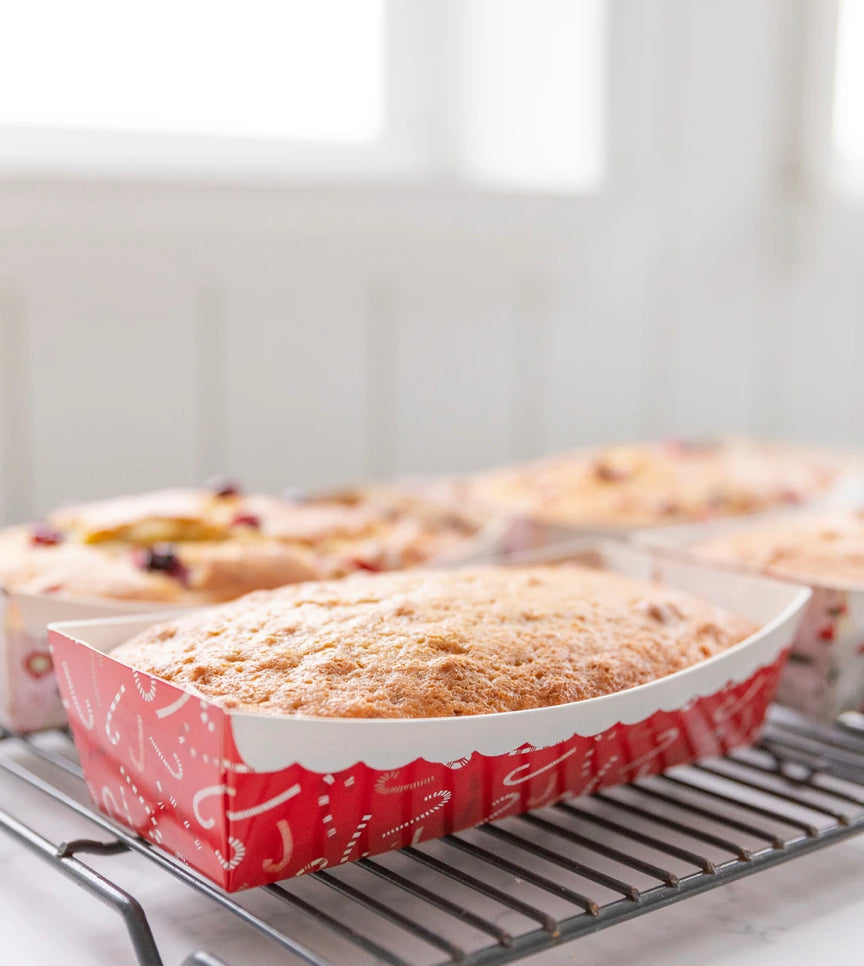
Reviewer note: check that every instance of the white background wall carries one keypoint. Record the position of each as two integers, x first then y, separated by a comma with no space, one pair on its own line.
158,333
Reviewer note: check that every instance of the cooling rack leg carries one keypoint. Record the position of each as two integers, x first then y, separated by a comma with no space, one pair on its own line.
98,886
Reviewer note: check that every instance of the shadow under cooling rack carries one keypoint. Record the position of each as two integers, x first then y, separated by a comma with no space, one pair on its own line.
504,891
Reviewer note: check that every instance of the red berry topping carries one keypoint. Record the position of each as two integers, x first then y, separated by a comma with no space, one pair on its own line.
161,558
44,536
224,487
608,473
826,633
668,508
246,520
359,564
684,447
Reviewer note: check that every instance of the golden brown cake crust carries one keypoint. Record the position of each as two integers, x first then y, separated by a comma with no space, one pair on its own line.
823,549
222,546
650,484
435,643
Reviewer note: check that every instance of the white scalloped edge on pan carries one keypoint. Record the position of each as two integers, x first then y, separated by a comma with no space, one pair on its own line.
272,742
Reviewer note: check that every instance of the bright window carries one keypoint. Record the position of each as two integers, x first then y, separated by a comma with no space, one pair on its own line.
849,90
256,68
535,92
500,93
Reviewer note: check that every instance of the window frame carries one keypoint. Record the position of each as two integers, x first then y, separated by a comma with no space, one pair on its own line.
821,176
420,145
819,172
27,152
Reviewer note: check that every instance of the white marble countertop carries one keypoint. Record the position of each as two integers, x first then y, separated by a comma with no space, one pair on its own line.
809,910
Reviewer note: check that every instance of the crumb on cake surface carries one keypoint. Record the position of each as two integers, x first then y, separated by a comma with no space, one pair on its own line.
435,643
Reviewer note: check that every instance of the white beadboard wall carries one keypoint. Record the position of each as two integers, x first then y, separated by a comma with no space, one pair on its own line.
158,336
158,333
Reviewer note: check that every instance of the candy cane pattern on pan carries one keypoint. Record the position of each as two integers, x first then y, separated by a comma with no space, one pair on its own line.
148,695
264,806
208,792
595,781
331,780
511,779
383,788
443,796
169,709
138,762
316,864
239,853
94,679
327,817
268,865
212,790
358,831
638,765
107,795
174,773
126,807
732,704
546,794
501,806
205,717
153,831
115,738
88,721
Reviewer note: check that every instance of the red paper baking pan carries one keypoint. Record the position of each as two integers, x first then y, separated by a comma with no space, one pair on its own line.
249,799
824,675
29,698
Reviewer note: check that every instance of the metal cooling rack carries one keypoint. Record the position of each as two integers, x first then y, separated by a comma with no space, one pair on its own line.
507,890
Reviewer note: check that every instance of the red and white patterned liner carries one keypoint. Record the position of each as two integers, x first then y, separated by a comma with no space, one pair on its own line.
248,799
824,675
29,698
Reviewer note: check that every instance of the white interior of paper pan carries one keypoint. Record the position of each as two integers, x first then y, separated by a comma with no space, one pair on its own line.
271,742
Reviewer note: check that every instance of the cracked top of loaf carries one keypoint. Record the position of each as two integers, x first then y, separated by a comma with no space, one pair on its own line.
428,643
656,483
211,545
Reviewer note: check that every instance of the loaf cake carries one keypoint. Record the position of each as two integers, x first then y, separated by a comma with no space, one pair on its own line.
427,643
210,545
651,484
822,549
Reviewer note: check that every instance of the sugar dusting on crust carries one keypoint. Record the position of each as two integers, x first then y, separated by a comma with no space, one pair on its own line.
436,643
